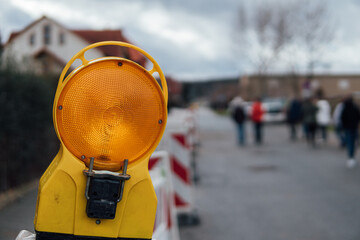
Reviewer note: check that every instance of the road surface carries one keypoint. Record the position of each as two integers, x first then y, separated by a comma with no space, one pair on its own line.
280,190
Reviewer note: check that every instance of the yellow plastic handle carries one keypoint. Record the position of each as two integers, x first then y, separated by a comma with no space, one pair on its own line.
81,55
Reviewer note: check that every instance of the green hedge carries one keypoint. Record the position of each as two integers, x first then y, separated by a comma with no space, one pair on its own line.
28,141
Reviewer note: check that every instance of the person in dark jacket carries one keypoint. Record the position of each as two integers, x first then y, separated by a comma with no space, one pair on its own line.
338,124
309,110
238,114
293,117
350,118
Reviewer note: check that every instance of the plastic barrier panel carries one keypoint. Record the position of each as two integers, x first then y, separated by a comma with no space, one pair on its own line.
165,227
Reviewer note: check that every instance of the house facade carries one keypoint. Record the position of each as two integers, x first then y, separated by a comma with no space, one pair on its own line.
45,46
287,85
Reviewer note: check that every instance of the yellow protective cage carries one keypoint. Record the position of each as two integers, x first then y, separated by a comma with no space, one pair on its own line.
109,115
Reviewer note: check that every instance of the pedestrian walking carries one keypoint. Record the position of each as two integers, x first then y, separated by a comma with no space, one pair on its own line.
309,111
323,116
238,113
350,118
339,130
293,117
257,113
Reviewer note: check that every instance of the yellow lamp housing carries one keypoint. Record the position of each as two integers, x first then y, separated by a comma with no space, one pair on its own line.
109,115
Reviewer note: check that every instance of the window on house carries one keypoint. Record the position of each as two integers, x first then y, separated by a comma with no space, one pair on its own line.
32,39
61,38
47,34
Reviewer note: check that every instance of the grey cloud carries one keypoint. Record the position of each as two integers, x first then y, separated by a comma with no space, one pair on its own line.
212,20
11,19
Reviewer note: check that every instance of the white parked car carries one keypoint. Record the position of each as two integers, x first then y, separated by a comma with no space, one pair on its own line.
274,110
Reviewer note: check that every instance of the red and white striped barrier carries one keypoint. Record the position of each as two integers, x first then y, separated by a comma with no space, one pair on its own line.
178,141
193,141
185,118
166,227
180,158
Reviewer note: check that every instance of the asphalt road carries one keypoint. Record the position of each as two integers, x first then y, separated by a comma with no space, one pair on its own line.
18,216
280,190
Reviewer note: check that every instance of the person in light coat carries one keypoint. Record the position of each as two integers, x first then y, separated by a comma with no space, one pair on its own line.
323,116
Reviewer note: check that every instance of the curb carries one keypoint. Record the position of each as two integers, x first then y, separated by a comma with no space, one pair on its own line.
13,194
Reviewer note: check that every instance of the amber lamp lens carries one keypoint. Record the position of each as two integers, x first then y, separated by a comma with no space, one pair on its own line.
110,110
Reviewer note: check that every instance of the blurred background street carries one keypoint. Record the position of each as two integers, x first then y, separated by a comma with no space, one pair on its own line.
249,72
280,190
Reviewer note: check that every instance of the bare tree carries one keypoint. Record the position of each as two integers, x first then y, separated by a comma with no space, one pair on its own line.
262,34
312,30
282,33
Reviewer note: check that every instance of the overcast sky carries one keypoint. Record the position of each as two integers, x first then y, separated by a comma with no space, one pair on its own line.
190,39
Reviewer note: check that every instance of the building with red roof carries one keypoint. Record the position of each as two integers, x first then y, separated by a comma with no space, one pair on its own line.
45,46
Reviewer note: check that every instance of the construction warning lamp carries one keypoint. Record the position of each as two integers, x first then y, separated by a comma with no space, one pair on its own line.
109,114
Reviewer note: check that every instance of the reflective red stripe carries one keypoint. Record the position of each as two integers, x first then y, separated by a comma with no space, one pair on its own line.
179,201
180,171
180,138
153,162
